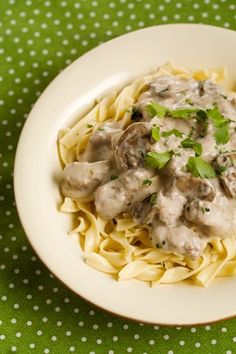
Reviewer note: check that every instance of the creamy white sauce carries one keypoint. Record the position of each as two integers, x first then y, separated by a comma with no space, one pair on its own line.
182,211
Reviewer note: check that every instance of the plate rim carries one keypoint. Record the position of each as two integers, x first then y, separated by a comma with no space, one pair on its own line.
16,171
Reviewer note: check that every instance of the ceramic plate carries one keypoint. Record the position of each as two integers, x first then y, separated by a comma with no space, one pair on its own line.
37,170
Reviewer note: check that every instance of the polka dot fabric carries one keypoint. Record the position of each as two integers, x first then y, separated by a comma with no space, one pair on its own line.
38,38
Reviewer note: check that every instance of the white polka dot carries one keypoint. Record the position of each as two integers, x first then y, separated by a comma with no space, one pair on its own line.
151,342
99,341
197,345
32,345
39,332
115,338
13,348
83,339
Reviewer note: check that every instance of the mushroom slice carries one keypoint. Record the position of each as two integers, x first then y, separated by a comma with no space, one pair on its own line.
80,179
194,187
132,145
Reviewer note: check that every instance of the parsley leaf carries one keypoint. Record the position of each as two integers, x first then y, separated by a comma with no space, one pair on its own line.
192,144
112,177
155,109
157,160
89,125
185,113
221,125
175,132
147,182
200,168
156,133
220,169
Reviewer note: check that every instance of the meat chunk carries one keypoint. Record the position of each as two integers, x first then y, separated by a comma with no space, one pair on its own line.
178,239
227,164
216,219
196,188
121,194
170,207
99,146
111,199
132,146
80,179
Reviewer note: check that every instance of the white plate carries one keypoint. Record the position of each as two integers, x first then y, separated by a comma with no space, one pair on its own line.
37,170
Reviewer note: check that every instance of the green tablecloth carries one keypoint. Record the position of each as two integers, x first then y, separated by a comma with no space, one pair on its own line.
38,38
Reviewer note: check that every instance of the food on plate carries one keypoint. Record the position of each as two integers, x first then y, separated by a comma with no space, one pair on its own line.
150,174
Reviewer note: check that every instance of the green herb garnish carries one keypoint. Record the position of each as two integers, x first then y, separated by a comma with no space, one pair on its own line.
184,113
189,101
192,144
221,125
155,109
175,132
112,177
157,160
156,133
153,198
200,168
164,90
220,169
89,125
223,96
205,210
147,182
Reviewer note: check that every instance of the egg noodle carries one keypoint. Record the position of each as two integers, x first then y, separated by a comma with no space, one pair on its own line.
122,248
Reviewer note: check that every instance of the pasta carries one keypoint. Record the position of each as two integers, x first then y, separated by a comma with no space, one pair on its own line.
121,247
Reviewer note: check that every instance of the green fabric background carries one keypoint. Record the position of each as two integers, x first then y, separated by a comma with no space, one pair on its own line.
38,38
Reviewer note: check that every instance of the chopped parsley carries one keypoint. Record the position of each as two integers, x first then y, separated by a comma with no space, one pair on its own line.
112,177
184,113
205,210
192,144
89,125
164,90
147,182
157,160
153,198
221,125
156,133
189,101
156,109
223,96
220,169
175,132
136,115
200,168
